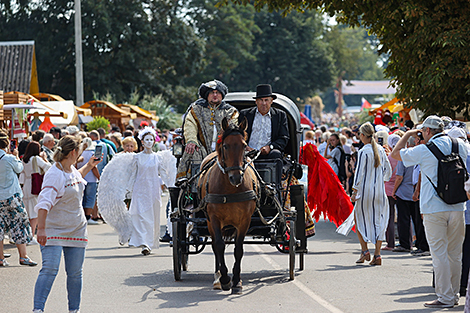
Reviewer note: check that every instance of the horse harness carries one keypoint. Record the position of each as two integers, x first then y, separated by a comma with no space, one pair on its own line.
248,195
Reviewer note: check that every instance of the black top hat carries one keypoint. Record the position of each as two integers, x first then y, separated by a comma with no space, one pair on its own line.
263,91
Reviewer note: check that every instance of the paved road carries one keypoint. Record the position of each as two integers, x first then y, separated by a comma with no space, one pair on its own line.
120,279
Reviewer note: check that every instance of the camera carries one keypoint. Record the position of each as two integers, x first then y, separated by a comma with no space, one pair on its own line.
380,140
12,145
420,136
98,152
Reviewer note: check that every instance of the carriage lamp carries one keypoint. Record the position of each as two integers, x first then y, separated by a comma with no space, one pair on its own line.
178,147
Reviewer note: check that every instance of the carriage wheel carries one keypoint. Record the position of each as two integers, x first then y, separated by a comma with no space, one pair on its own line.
177,253
292,250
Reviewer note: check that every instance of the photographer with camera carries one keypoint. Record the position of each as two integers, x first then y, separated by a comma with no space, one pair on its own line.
443,220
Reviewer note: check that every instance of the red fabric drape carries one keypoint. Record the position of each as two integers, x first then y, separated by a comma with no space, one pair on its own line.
325,193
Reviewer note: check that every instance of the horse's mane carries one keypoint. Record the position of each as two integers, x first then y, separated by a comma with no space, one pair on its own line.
232,129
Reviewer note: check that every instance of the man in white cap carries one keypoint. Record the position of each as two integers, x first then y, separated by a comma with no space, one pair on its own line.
444,223
459,132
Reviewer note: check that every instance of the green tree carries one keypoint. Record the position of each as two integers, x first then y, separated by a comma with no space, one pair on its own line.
98,122
290,55
355,58
167,117
426,42
228,32
127,44
354,53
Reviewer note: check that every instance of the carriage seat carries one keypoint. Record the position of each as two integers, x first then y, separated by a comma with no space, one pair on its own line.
270,170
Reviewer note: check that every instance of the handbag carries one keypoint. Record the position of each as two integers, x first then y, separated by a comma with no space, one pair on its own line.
36,178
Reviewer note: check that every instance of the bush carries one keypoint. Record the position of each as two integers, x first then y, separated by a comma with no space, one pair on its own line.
97,123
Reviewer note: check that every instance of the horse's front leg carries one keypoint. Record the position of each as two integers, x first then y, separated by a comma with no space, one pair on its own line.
238,252
216,284
218,246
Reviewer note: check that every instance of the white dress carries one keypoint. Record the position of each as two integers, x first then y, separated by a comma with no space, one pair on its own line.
146,201
29,199
139,177
371,207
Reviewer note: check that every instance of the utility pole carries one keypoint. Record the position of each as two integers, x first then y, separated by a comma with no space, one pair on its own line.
78,54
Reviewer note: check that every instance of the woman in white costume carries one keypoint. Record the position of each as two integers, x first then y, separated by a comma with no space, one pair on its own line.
371,204
138,177
146,195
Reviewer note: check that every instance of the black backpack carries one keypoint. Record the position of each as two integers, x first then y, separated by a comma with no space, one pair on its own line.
451,174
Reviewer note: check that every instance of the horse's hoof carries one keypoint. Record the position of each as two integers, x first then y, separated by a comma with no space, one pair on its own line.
237,290
226,286
216,285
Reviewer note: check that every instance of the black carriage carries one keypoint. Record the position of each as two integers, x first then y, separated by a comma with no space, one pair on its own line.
272,224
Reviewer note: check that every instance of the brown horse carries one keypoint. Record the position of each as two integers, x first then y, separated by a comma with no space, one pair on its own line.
229,189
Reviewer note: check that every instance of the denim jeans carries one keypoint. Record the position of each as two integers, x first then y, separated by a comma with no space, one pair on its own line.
51,255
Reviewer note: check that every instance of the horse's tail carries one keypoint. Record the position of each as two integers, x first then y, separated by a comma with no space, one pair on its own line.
228,233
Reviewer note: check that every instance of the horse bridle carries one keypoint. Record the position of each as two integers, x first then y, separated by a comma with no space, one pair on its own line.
222,166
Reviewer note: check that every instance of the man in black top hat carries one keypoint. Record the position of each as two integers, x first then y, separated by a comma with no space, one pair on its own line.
267,127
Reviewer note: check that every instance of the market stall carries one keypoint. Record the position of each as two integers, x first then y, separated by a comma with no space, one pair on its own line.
142,114
116,115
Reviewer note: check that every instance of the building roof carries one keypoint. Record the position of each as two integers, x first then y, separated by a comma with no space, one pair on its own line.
140,111
367,87
18,66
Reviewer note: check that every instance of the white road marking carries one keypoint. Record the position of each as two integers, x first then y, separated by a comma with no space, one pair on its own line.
300,285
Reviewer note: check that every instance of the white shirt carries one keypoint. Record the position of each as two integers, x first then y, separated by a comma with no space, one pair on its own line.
261,131
322,148
430,202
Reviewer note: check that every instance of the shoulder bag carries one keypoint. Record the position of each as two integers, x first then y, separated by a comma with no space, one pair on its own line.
36,178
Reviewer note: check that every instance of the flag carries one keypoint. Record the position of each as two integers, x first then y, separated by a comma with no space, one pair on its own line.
365,104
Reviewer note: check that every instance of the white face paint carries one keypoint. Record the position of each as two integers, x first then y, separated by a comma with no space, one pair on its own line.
148,141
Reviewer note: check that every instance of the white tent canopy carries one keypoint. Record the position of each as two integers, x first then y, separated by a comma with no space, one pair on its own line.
58,106
366,87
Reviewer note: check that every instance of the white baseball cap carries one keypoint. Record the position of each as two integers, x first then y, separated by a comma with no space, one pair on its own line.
433,121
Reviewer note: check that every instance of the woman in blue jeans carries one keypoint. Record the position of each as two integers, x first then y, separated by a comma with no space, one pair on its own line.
60,204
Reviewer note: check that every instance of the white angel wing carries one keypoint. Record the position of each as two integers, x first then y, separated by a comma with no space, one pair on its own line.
167,167
112,191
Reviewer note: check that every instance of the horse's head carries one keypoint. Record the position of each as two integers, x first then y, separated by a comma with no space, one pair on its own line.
231,151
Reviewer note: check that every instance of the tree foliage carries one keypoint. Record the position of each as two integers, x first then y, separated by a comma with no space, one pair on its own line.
290,55
127,44
98,122
426,41
168,47
168,118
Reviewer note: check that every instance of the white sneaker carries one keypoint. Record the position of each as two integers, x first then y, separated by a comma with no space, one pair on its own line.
92,222
33,242
38,311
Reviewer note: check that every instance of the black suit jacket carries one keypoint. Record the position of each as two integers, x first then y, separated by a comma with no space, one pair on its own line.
279,126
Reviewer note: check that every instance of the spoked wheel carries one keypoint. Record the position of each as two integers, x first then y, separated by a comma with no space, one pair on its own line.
282,248
177,251
292,250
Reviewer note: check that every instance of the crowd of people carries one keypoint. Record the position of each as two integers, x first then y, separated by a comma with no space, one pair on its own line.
389,173
392,177
48,189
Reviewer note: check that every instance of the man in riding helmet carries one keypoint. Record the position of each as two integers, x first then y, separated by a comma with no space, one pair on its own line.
202,123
